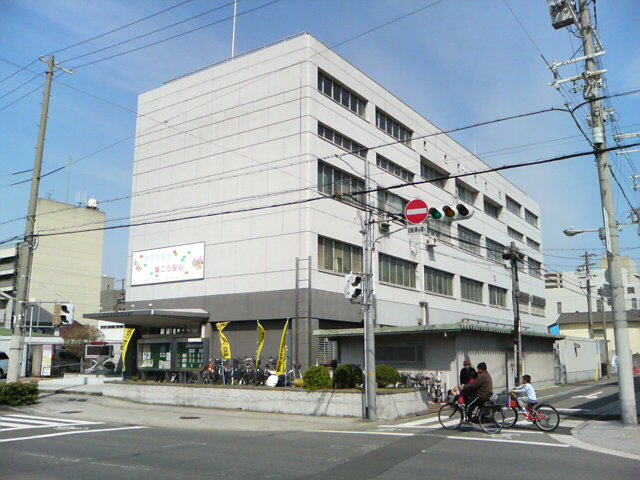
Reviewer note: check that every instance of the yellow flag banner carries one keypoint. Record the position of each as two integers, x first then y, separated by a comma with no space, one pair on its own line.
225,347
281,368
261,335
126,338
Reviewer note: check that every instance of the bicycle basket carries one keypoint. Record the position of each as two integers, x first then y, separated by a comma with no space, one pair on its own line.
500,398
451,398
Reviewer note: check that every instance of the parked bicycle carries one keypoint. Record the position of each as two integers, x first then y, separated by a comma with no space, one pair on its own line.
542,415
489,415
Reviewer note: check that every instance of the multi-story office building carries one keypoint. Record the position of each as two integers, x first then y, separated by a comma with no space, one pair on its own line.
8,268
261,153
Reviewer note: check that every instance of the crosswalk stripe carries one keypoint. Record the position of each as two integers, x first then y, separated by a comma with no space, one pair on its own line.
35,417
413,423
24,422
28,421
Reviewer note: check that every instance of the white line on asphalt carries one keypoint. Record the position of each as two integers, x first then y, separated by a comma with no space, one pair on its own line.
572,410
61,420
74,432
498,440
395,434
574,442
413,423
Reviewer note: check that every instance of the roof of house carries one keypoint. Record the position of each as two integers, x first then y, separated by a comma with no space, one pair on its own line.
428,329
583,317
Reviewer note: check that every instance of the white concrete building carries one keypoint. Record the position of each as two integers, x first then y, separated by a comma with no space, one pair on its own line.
271,135
566,291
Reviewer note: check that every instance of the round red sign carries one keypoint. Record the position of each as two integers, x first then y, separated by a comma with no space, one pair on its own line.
416,212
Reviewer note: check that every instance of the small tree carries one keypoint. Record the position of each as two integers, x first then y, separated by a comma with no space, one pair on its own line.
76,338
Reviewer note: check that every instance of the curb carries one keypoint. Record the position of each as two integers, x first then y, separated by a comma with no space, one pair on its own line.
71,392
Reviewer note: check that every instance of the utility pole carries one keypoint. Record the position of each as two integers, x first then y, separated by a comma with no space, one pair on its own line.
514,256
564,15
587,271
26,247
367,303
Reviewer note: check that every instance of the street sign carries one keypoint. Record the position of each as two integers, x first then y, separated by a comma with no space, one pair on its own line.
416,211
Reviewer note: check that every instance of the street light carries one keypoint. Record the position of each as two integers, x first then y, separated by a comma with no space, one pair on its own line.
572,232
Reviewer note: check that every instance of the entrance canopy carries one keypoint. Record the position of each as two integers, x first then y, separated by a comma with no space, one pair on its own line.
156,317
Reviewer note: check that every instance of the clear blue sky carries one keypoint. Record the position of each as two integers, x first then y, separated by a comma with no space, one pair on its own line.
457,63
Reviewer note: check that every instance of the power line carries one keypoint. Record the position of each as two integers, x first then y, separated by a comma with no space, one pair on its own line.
21,85
20,69
30,92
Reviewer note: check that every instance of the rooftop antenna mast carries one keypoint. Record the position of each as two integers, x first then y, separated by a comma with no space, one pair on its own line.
233,35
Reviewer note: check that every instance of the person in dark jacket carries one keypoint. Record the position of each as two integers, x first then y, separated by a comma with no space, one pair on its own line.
465,373
478,392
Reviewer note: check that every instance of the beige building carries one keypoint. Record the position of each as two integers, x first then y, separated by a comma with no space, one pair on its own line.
67,268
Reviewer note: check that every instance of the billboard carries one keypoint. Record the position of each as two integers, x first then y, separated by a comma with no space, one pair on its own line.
169,264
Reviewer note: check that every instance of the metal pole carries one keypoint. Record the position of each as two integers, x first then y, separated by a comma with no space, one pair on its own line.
620,327
606,340
367,304
233,35
589,307
513,257
25,255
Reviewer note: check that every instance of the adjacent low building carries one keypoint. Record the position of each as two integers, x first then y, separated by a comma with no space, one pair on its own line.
246,174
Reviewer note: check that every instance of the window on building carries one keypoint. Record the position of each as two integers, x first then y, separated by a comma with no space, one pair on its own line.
535,268
634,304
437,281
515,234
440,230
513,206
492,209
468,240
332,181
470,290
341,141
327,351
537,306
533,244
393,127
531,218
396,271
429,171
598,305
400,353
392,203
631,290
523,301
338,257
559,307
341,94
465,193
495,251
393,168
497,296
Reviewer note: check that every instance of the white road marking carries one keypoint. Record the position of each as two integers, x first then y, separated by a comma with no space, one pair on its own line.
499,440
572,410
395,434
24,422
413,423
574,442
591,396
74,432
59,420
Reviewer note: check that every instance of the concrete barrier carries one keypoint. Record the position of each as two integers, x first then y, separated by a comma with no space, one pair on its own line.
332,403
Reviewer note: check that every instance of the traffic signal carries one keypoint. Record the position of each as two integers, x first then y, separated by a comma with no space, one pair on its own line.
353,286
451,213
57,314
66,313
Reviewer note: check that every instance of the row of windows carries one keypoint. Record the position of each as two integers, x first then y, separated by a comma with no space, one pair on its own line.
341,94
469,240
392,203
339,257
441,283
332,181
393,168
396,271
342,141
393,127
428,172
514,207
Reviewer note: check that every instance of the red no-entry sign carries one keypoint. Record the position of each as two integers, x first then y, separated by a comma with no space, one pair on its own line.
416,211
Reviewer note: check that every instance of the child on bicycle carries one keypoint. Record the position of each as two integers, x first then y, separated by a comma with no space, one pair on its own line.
525,394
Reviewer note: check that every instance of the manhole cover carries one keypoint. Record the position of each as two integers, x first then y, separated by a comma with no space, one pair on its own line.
81,400
72,411
190,418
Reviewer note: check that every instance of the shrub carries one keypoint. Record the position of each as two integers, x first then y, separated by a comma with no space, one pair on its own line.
386,375
348,376
317,378
15,394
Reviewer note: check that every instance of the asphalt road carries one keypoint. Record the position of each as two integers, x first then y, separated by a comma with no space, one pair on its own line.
71,437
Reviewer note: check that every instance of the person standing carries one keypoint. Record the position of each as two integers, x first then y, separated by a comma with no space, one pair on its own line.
465,373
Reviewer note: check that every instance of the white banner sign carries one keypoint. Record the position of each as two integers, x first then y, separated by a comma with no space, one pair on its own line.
47,352
169,264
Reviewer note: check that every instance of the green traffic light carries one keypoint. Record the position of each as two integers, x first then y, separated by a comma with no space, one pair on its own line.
435,213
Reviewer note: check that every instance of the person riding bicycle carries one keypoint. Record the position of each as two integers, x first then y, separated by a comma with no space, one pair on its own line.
466,372
478,392
525,395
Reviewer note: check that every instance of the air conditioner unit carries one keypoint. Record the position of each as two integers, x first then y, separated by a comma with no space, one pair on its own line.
430,241
385,227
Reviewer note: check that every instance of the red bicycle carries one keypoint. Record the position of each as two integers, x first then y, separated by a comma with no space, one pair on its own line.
542,415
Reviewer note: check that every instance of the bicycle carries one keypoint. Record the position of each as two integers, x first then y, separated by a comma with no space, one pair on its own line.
542,415
490,416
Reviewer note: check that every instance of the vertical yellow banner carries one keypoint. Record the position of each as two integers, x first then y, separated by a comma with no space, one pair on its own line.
281,368
261,335
128,333
225,347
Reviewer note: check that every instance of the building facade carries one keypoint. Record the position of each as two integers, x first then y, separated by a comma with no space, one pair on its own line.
257,166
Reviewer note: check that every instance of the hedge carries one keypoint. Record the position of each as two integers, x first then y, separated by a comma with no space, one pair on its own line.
317,378
386,375
348,376
15,394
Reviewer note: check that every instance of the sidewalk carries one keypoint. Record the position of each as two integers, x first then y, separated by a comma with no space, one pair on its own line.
608,437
